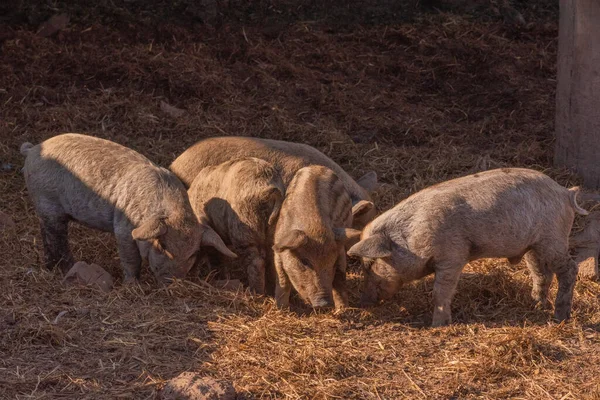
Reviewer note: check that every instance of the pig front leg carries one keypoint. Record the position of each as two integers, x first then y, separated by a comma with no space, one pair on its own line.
283,286
129,253
55,239
444,287
340,292
256,269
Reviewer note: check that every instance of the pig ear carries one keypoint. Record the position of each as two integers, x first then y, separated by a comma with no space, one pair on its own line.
369,181
291,240
348,236
150,229
362,207
212,238
376,246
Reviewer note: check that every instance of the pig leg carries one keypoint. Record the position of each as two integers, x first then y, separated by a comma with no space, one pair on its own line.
566,274
129,253
340,292
55,239
541,276
256,270
283,286
444,287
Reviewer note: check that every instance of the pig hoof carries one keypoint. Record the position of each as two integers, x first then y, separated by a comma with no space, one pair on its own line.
282,305
542,305
130,281
562,315
441,320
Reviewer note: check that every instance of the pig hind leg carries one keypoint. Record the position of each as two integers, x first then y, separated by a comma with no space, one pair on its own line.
556,259
444,287
55,239
541,276
566,273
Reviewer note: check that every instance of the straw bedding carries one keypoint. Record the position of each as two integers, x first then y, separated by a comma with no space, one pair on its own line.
417,93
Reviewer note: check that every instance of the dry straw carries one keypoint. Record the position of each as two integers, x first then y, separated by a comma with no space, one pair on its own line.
421,101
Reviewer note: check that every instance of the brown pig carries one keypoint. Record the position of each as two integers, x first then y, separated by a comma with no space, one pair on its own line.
286,157
240,200
510,212
310,238
112,188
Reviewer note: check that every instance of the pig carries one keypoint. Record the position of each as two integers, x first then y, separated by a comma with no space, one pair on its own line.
112,188
510,212
240,200
311,233
287,157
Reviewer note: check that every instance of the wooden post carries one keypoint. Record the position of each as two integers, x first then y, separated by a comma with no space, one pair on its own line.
578,90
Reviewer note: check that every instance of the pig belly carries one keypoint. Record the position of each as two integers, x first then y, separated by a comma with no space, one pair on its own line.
511,247
95,213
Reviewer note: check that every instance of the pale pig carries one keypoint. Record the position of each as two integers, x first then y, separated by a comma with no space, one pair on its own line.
310,238
510,213
286,157
109,187
241,200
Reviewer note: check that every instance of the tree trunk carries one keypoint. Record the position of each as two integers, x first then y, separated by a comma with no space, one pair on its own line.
578,90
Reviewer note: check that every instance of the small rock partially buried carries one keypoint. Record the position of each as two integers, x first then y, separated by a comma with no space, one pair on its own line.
53,25
86,274
191,386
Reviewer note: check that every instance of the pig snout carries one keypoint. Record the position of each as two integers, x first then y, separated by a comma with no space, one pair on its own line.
322,302
368,299
370,293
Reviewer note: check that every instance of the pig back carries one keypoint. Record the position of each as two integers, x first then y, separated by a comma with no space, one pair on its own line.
494,212
240,199
316,201
90,177
286,157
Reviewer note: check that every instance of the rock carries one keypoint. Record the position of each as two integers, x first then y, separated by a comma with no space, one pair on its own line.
191,386
85,274
53,25
6,222
228,284
512,16
172,111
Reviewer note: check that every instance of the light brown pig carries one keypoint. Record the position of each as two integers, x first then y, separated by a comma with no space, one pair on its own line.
286,157
109,187
241,200
509,212
310,237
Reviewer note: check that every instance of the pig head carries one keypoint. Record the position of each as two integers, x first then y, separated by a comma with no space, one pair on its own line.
310,239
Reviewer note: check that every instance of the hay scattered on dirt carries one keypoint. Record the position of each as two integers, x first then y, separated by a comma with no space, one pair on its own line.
417,95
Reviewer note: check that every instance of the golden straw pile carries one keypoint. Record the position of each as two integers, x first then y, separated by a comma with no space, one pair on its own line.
417,94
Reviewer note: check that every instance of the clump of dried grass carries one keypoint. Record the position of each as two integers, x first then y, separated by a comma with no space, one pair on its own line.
441,96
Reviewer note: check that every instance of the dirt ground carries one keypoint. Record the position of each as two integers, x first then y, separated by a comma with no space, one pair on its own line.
417,91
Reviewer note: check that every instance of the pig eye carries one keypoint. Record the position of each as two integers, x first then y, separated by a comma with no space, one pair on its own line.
305,262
